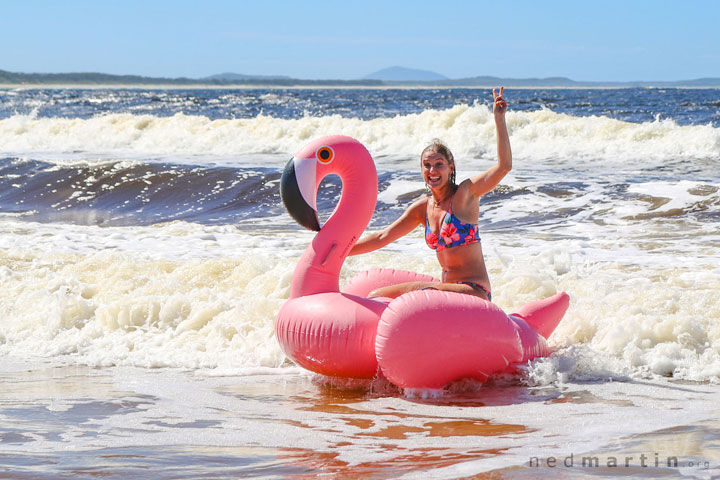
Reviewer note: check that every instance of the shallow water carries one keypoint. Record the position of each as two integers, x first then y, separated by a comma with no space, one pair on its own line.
123,422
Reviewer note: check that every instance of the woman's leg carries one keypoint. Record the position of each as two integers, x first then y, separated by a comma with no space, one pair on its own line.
394,291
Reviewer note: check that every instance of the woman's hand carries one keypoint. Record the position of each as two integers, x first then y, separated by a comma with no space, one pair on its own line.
500,106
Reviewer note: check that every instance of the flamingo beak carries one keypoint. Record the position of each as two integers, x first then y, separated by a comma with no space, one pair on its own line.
298,191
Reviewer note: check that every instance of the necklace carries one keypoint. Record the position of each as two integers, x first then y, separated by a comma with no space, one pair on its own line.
437,203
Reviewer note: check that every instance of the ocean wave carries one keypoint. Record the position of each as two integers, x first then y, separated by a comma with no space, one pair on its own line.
135,193
126,193
468,129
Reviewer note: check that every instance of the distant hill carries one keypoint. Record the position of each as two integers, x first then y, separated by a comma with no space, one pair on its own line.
402,74
517,82
566,82
239,77
699,82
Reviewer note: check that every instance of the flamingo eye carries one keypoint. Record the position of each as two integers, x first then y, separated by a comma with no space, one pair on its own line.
325,155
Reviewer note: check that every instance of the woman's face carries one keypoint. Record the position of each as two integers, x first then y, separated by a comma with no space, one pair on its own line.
436,169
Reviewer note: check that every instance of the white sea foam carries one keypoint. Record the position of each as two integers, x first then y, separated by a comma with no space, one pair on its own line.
172,295
193,296
541,135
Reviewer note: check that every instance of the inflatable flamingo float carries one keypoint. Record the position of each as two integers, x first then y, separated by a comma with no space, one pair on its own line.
422,339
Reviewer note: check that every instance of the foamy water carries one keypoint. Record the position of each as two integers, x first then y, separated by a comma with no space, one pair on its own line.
538,135
192,296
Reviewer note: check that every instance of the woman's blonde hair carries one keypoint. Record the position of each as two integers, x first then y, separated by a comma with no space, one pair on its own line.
437,146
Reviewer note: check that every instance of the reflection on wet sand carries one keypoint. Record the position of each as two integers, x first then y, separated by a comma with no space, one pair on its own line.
394,431
419,460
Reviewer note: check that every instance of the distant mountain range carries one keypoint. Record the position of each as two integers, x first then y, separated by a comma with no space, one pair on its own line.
402,74
393,76
239,77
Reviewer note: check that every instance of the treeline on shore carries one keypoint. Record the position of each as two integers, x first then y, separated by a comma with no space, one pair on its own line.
93,78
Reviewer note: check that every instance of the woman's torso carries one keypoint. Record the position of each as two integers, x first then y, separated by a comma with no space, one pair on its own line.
460,255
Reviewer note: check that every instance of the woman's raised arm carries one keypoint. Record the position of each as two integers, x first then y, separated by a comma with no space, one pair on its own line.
481,184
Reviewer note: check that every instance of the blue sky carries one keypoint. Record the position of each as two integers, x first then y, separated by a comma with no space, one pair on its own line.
583,40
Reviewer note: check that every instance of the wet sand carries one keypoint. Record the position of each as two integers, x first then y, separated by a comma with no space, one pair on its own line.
119,422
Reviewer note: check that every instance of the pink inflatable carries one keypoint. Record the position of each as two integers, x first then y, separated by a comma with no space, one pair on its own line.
423,339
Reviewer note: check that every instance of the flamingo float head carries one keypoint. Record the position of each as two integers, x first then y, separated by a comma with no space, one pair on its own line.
319,268
318,327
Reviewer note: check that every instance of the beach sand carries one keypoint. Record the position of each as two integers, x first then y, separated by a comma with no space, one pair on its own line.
62,421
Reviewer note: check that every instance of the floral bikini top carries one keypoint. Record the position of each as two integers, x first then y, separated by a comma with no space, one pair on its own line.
453,233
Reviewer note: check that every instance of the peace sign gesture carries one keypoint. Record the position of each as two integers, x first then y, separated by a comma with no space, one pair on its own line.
500,106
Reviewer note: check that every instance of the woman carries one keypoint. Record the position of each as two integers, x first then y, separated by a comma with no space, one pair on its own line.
450,215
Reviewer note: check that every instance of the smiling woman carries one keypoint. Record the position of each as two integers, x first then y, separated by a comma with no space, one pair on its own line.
450,213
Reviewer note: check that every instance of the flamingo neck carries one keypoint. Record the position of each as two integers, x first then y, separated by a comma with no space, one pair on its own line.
318,270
